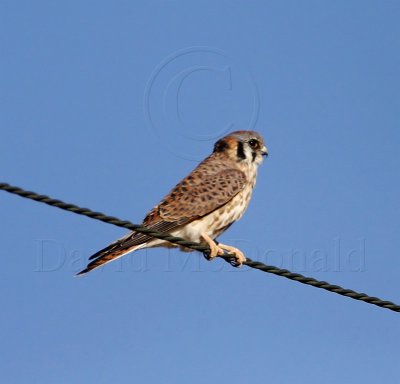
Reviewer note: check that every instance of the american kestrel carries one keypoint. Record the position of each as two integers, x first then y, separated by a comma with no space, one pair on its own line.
204,204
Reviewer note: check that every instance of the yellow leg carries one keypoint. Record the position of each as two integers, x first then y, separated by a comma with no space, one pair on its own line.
240,258
216,250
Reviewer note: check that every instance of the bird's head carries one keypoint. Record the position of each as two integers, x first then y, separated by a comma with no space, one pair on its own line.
243,146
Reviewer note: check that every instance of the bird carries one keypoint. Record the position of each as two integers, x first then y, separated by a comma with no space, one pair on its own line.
202,205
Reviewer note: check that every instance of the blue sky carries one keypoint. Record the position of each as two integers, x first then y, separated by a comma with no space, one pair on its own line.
108,104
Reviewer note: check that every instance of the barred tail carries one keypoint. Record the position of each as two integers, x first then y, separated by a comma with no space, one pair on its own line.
106,255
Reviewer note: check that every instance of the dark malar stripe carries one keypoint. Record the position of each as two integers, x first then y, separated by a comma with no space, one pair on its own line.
253,155
240,151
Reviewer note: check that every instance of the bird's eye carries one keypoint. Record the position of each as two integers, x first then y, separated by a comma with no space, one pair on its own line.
253,143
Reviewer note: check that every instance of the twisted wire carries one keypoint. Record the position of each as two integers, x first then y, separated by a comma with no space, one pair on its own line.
199,247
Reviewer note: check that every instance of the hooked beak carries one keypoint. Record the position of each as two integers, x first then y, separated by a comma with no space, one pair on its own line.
264,151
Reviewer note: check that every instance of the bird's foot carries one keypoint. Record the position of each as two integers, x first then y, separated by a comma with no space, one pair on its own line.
214,249
219,250
239,255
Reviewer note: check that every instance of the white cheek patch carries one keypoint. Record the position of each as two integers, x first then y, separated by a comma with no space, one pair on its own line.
249,154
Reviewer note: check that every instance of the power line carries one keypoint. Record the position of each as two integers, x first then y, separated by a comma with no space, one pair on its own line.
198,247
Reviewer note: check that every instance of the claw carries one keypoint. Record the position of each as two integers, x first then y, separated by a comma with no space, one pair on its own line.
239,255
214,249
219,250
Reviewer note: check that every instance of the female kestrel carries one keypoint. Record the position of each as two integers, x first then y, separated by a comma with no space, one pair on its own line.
204,204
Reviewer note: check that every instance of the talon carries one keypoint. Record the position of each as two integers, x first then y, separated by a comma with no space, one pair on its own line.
219,250
214,249
239,255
